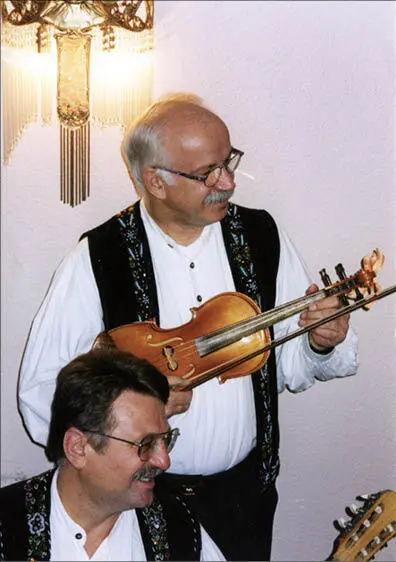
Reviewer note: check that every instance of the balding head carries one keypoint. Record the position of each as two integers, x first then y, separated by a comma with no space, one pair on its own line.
145,144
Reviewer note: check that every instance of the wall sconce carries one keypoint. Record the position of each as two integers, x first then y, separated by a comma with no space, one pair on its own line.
102,50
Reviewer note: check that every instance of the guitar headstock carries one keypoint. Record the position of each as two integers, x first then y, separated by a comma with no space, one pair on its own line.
370,527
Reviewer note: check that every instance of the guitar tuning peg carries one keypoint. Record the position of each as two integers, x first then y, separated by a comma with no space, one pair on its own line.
352,510
378,509
390,528
340,523
363,497
377,540
364,552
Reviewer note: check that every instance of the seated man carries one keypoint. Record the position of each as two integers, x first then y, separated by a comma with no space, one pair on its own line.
109,437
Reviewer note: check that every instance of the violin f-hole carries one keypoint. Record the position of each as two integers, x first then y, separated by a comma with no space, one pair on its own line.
168,353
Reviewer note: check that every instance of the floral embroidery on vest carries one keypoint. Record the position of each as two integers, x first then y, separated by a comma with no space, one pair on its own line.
156,526
37,513
130,233
247,281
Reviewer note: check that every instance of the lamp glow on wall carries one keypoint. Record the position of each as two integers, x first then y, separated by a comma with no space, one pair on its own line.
89,59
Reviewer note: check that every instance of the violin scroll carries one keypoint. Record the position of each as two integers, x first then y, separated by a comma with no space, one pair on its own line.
366,276
360,285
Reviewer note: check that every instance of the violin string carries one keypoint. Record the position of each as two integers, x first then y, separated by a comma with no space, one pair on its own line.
346,310
188,349
260,321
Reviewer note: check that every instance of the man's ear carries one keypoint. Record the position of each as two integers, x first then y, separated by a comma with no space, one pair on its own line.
75,445
153,183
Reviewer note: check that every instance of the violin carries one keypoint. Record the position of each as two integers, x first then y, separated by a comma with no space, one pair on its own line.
228,336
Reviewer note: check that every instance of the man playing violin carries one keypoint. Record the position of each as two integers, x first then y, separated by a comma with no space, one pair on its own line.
181,244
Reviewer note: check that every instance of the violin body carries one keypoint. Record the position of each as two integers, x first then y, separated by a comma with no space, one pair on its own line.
174,351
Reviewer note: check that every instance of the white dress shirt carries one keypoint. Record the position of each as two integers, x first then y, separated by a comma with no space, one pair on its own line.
124,542
71,317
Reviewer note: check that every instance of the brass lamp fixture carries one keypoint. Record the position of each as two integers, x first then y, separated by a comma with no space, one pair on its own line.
102,50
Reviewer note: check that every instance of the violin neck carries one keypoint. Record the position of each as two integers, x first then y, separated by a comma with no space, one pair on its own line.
218,339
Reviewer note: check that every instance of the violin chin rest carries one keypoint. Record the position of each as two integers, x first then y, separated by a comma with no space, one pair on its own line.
103,341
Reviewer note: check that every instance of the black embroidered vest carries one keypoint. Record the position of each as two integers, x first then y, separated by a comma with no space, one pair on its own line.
124,274
168,529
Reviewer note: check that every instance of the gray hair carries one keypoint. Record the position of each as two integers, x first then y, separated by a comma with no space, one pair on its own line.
143,144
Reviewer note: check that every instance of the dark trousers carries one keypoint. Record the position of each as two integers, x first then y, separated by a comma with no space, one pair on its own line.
232,507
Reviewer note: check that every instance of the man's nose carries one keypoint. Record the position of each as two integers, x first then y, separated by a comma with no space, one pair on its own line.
226,180
160,456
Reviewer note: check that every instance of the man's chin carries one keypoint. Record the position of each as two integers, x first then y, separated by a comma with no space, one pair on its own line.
220,209
145,499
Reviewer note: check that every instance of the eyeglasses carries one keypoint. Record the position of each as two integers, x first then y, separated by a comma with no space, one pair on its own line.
210,179
148,444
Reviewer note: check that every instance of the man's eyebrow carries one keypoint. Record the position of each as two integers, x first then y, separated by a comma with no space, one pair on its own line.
210,167
205,168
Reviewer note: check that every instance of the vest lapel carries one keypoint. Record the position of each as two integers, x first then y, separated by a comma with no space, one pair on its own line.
136,244
245,279
37,498
154,531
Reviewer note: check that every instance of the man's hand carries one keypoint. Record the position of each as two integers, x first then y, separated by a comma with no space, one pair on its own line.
330,334
178,402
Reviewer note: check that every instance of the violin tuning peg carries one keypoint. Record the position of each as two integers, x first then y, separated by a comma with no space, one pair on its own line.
325,277
339,269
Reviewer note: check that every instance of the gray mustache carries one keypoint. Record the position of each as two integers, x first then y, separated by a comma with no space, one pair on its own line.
147,472
218,197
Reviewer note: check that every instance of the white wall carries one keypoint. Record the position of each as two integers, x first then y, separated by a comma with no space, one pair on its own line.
307,89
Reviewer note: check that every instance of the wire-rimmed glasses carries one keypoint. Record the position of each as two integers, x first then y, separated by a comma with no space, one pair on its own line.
210,179
148,444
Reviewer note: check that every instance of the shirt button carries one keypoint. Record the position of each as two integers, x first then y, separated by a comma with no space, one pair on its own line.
199,298
78,536
192,265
